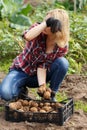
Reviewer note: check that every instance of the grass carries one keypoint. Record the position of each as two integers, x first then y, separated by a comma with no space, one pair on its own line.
5,63
1,108
61,96
81,105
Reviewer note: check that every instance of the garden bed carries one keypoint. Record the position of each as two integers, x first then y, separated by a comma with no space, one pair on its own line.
74,86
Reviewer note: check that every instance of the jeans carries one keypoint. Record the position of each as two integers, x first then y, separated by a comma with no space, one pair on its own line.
15,80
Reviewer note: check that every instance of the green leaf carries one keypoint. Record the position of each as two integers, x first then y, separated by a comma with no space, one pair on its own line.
10,6
20,19
26,9
18,26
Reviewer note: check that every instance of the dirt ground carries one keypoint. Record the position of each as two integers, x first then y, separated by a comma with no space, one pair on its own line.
75,86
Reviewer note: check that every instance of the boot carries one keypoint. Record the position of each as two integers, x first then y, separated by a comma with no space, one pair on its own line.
24,93
53,93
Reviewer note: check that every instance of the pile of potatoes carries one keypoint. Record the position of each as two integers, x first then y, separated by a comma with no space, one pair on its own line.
34,106
45,93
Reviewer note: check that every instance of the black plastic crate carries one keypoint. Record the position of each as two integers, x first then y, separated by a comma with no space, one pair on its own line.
59,118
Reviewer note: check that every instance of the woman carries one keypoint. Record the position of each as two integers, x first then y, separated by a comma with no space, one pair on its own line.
42,59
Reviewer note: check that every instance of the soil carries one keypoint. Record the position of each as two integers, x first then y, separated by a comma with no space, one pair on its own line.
74,86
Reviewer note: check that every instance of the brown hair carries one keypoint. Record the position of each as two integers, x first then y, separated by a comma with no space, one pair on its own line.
62,37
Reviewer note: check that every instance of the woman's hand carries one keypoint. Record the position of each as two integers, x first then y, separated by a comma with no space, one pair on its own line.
41,90
45,93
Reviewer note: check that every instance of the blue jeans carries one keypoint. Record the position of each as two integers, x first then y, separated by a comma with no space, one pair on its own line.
15,80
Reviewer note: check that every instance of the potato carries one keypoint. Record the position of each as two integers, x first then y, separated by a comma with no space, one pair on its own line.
47,108
41,104
13,105
33,109
34,104
53,104
57,104
21,110
46,104
47,95
26,108
53,111
30,103
21,100
43,111
25,103
19,105
42,89
48,89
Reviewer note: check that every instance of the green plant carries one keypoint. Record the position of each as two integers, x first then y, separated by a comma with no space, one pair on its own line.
1,108
77,54
81,105
14,21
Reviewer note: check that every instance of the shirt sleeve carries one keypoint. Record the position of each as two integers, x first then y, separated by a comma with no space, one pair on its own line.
23,35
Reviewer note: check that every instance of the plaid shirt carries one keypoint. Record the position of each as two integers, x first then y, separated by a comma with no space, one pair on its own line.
34,55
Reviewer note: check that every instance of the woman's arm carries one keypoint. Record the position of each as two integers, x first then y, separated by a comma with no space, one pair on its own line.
35,31
41,75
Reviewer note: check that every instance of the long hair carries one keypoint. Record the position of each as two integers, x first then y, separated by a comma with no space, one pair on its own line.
62,37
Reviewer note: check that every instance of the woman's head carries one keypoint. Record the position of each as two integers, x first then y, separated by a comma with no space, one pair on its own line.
54,24
62,37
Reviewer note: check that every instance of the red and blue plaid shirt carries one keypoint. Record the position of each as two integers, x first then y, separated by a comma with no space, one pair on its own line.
34,55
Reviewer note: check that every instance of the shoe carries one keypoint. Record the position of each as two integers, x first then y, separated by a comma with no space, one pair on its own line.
53,99
53,93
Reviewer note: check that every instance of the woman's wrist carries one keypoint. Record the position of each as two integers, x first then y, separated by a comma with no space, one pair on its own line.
44,24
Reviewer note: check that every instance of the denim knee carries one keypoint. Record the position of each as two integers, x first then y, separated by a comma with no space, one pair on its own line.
62,63
5,93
